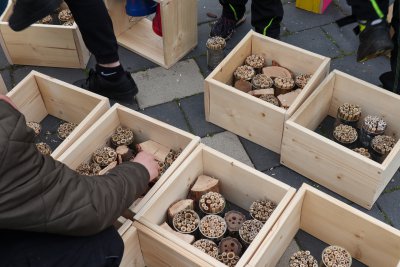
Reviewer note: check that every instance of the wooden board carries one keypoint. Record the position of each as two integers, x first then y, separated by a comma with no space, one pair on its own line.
369,240
43,45
324,161
39,95
239,183
248,116
132,251
144,128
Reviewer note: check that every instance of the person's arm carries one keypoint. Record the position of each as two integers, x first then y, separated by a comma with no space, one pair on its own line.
40,194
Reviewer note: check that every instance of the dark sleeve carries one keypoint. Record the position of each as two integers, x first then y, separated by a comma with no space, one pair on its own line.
40,194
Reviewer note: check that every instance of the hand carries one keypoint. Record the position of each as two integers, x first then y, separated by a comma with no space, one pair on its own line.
149,162
8,100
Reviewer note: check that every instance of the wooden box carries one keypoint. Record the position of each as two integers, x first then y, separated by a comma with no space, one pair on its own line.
39,95
43,45
368,240
239,184
179,26
315,6
144,128
248,116
330,164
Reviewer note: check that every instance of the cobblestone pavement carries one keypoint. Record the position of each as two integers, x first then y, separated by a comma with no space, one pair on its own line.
175,96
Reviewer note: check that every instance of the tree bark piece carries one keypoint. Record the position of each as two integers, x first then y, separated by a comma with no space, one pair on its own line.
275,71
184,204
260,92
125,152
203,184
108,168
159,151
243,85
230,244
185,237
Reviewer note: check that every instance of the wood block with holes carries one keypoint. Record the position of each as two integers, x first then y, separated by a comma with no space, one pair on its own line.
179,31
246,115
39,95
144,128
368,240
239,184
43,45
330,164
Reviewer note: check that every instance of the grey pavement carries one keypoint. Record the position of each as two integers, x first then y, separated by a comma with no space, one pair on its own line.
176,95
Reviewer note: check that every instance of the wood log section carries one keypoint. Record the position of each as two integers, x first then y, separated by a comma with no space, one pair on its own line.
243,86
275,63
125,152
287,99
260,92
230,244
234,220
203,184
275,71
185,237
159,151
108,168
178,206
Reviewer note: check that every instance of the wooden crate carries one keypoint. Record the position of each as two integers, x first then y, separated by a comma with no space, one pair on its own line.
43,45
179,26
39,95
368,240
144,128
239,184
330,164
315,6
248,116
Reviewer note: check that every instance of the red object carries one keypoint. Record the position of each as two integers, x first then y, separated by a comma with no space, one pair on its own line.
157,27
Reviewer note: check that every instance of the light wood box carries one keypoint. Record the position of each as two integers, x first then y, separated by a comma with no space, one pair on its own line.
239,184
43,45
248,116
144,128
179,26
39,95
330,164
368,240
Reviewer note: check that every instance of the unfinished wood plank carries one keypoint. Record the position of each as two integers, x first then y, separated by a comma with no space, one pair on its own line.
125,225
132,251
159,151
185,237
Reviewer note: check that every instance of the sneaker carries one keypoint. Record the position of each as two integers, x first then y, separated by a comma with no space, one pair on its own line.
374,41
124,89
27,12
225,27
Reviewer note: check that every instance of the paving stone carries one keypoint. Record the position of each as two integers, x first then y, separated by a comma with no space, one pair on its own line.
204,6
133,105
343,6
313,40
200,49
229,144
296,19
394,183
390,204
3,60
374,212
284,260
168,113
158,85
6,75
202,63
261,157
193,107
288,176
66,75
368,71
343,37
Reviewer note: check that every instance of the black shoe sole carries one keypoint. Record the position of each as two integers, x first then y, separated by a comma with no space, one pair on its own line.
32,18
374,55
238,23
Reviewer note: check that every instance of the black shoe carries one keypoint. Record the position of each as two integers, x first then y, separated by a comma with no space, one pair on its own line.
225,27
387,80
27,12
123,89
374,41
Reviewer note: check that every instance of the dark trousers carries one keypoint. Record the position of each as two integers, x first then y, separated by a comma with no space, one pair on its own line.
266,15
96,27
22,249
365,10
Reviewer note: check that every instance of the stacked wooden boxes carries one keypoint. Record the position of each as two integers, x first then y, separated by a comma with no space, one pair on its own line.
248,116
43,45
239,184
144,128
39,95
330,164
179,31
368,240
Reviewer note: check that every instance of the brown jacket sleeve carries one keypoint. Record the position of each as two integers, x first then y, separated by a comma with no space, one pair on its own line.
40,194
